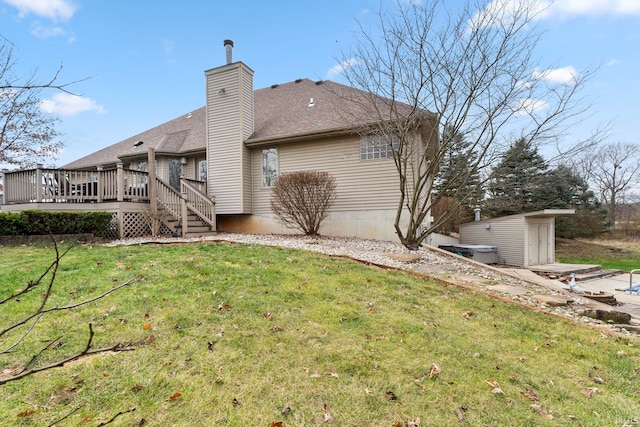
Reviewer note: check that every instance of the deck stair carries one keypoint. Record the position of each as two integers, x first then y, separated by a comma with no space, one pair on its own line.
189,213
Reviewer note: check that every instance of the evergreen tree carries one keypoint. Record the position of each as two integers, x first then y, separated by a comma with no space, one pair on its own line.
458,185
565,189
514,184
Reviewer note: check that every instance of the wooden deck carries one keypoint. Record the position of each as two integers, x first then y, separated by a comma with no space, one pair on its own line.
140,203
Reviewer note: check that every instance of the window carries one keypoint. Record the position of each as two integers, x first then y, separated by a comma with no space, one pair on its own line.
202,170
269,167
142,166
378,146
175,170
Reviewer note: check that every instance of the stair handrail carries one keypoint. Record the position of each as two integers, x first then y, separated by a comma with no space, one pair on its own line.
168,198
199,202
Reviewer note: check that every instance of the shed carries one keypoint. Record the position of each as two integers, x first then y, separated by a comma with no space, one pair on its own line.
522,240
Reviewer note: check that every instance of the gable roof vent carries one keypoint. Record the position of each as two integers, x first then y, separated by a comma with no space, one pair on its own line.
298,80
274,86
319,82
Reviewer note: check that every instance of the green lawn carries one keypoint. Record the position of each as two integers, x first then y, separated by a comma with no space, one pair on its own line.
230,334
616,255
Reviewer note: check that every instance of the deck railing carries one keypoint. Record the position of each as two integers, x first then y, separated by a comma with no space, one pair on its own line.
42,185
75,186
198,201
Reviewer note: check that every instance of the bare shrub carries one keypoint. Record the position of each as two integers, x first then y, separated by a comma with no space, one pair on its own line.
153,218
302,199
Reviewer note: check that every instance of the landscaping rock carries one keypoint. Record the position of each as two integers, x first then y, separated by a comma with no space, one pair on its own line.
609,316
554,300
405,257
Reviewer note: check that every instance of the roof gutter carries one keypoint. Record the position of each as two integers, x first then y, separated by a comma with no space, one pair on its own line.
297,137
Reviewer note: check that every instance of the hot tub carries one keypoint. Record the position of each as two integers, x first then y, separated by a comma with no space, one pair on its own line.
482,253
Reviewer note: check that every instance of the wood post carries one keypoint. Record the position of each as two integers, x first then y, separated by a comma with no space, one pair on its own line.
120,181
4,186
185,214
100,184
151,171
39,182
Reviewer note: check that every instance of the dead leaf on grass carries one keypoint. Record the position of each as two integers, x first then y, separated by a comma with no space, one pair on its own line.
328,417
542,411
459,414
435,370
175,396
495,387
391,395
27,412
146,326
468,314
225,307
276,424
531,394
588,392
147,340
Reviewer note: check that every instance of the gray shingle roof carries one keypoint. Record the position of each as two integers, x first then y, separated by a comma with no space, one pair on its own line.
281,111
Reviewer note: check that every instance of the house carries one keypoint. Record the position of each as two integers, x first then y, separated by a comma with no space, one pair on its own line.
227,155
522,240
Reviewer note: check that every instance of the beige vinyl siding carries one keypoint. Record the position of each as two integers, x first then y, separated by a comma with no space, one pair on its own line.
226,117
360,184
506,235
247,130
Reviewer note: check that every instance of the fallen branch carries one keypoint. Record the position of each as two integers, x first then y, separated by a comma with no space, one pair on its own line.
43,310
86,352
116,416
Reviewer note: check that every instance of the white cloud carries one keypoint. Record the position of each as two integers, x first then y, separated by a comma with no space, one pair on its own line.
337,69
65,104
48,32
55,10
613,62
558,9
564,75
529,106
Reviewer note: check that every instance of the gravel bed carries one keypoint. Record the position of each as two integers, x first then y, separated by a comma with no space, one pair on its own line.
432,262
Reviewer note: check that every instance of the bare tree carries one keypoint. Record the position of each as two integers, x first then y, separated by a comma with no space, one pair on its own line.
471,71
302,199
612,170
27,134
44,286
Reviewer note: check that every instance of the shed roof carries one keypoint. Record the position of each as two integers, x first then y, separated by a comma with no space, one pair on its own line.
545,213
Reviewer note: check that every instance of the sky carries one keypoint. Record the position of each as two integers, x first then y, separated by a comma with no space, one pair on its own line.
138,64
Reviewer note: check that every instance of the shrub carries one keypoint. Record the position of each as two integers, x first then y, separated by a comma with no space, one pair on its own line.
43,222
302,199
11,224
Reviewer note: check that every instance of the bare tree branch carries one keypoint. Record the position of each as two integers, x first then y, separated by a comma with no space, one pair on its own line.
56,422
470,70
116,416
86,352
